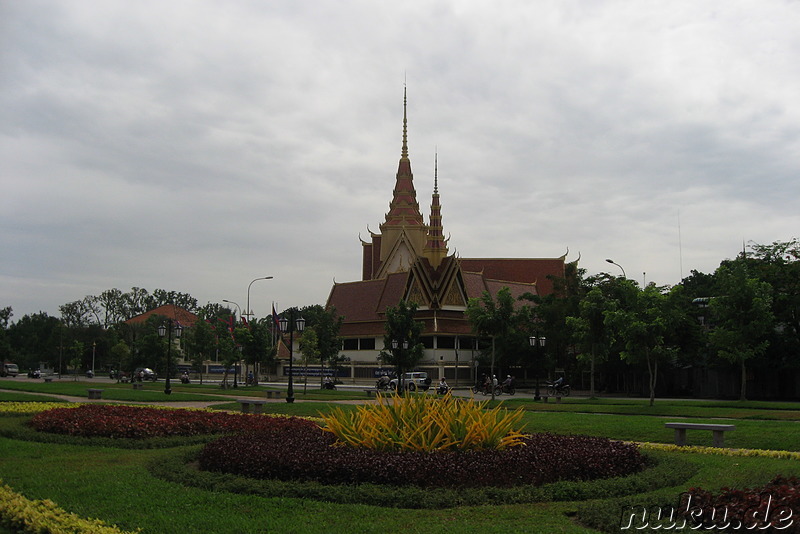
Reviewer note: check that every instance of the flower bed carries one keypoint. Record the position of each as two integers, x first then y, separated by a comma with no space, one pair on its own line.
304,452
774,507
115,421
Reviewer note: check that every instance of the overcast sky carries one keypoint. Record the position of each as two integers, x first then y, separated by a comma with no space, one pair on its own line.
197,145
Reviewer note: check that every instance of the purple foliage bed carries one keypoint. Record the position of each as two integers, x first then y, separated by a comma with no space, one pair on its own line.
302,451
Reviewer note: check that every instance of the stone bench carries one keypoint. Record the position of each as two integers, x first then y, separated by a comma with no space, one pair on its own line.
371,392
138,385
48,379
546,397
258,405
95,393
273,394
717,430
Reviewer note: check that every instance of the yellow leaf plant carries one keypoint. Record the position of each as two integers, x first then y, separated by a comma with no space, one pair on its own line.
424,423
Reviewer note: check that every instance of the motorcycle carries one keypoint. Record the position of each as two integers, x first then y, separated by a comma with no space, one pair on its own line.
487,390
382,385
184,379
508,388
557,389
442,389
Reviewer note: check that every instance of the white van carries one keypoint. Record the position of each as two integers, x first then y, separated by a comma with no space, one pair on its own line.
9,369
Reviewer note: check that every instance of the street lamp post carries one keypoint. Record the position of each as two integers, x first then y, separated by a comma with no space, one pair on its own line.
538,345
94,349
168,331
456,349
249,313
290,325
612,262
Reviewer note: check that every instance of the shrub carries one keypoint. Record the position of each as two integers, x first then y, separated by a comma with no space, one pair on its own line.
19,514
116,421
775,505
306,453
424,423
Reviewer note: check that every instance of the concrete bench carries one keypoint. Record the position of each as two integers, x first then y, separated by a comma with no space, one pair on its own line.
48,379
545,398
272,394
95,393
371,392
138,385
258,405
717,430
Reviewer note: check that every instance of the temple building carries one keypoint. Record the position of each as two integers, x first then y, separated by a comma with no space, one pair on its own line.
410,260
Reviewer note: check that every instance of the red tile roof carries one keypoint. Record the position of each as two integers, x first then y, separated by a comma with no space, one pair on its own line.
524,270
184,317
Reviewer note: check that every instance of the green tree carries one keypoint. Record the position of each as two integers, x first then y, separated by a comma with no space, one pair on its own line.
778,264
589,330
494,319
201,343
76,353
229,354
326,324
309,348
404,332
742,317
5,346
121,354
646,326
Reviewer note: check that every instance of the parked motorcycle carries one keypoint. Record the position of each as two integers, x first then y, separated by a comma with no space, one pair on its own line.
558,389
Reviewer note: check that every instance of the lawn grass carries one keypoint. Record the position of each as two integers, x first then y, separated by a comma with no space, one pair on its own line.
672,408
116,486
180,392
7,396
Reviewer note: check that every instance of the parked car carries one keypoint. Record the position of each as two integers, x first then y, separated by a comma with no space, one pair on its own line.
144,373
413,381
9,369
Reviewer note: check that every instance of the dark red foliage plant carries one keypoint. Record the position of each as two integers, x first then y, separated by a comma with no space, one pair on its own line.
308,453
133,422
774,507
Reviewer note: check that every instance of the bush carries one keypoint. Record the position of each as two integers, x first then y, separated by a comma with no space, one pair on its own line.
424,423
305,452
19,514
775,505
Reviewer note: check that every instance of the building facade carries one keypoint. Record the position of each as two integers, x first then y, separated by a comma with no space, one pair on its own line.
409,260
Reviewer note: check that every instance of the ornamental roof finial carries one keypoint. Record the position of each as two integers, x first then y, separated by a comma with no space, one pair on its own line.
404,152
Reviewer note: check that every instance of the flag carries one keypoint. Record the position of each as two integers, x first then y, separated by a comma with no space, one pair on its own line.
275,317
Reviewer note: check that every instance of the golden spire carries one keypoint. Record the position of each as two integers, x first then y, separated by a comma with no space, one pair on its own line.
404,152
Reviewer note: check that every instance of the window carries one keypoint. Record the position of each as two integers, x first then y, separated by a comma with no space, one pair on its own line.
445,342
